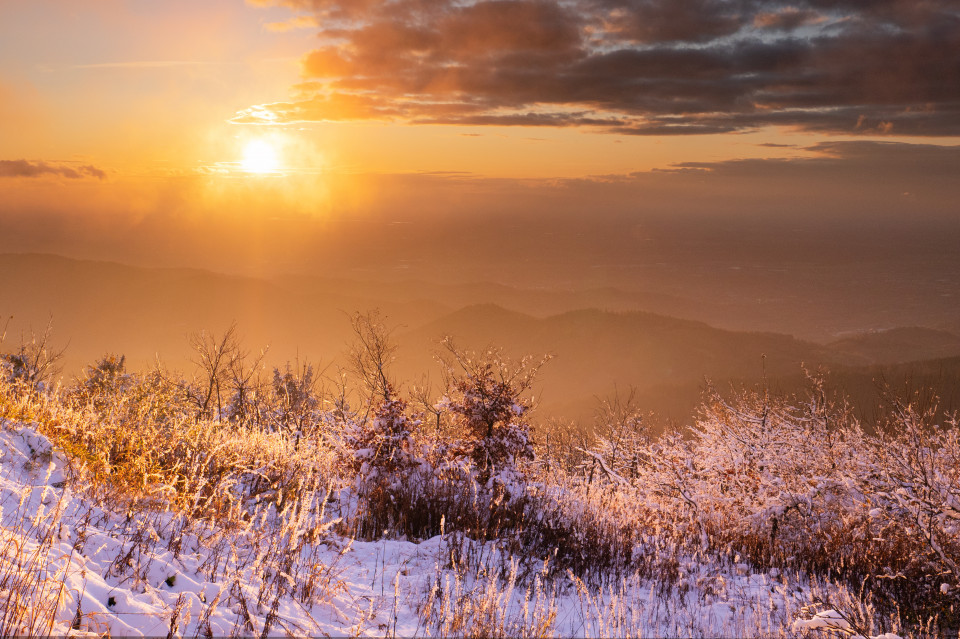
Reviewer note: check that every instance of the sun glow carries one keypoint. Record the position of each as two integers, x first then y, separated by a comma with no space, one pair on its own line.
259,156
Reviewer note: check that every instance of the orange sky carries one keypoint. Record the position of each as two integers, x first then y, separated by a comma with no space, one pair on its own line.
119,111
145,88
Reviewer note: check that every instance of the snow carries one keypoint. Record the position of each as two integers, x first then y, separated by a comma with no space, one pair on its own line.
130,574
833,621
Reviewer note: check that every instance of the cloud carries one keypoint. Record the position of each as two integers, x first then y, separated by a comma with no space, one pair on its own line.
870,159
644,67
863,179
25,169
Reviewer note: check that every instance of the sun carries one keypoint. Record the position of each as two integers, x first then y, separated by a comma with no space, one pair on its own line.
259,156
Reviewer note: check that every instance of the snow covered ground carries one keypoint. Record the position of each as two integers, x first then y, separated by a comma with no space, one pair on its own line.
70,566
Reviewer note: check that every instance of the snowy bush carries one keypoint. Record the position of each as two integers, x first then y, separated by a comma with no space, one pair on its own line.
297,403
796,483
384,457
488,411
103,382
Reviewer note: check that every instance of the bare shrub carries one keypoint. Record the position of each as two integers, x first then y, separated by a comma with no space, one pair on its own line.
370,356
35,362
215,361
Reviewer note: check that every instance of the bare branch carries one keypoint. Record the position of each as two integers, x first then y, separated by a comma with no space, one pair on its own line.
371,354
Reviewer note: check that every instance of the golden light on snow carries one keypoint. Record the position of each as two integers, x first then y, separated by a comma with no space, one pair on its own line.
259,156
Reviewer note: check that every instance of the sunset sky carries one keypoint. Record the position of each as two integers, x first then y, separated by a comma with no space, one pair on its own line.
251,136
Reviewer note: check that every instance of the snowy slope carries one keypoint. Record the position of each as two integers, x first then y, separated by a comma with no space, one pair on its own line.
70,566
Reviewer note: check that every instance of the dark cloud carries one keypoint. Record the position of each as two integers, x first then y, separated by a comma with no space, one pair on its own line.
916,161
25,169
634,66
665,21
847,166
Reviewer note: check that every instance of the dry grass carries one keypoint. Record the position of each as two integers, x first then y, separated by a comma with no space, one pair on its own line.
32,567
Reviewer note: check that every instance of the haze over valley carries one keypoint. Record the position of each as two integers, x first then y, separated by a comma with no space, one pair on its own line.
669,347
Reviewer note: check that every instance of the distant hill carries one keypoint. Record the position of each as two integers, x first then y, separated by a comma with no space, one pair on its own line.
103,307
596,350
900,345
601,338
539,302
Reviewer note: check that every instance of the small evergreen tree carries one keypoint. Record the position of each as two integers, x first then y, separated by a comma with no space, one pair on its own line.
486,398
